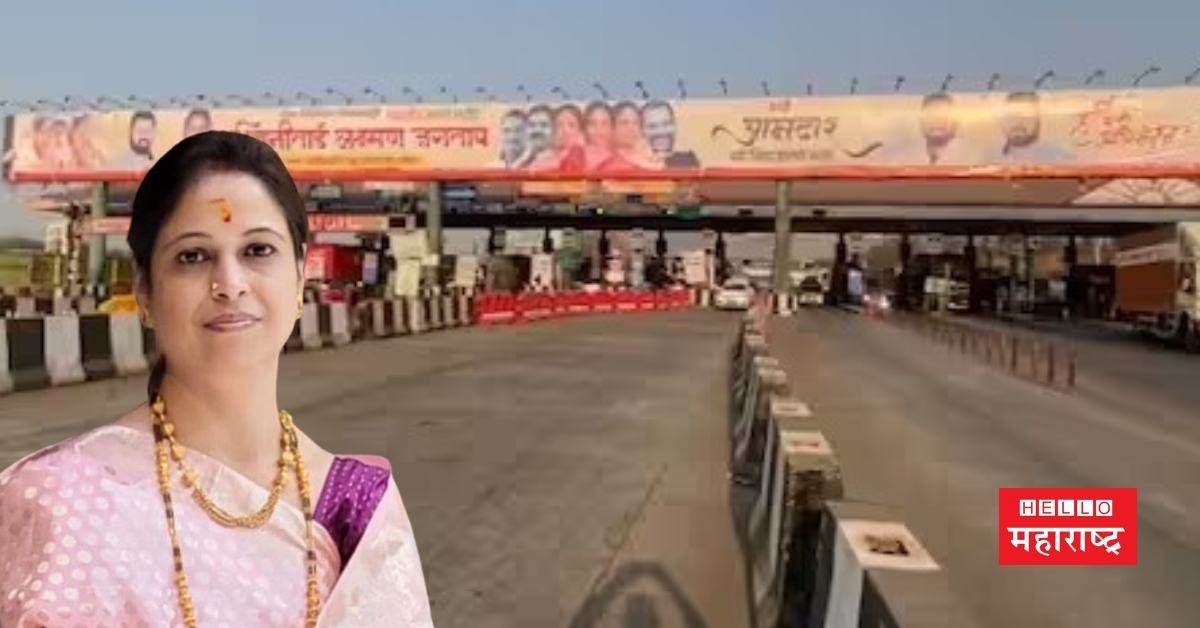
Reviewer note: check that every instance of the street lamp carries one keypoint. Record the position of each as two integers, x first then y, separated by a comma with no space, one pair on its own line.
271,96
483,92
134,99
854,85
1154,69
1096,75
103,99
1041,80
48,103
367,91
444,91
561,92
244,100
766,89
682,89
808,89
212,102
600,88
946,83
305,96
178,102
70,100
521,90
899,83
408,91
642,88
329,91
992,82
724,87
1191,77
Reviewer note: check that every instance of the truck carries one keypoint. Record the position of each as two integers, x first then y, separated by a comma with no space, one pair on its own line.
1156,282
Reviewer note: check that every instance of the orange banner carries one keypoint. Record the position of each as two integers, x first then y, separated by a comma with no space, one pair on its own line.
1150,132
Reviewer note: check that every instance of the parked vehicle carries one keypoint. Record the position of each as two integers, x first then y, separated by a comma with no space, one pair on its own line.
811,291
1156,283
735,294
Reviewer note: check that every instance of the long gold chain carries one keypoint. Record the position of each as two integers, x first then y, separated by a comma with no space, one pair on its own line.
164,443
202,499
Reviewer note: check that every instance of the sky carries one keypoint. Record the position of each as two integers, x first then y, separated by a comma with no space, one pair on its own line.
156,50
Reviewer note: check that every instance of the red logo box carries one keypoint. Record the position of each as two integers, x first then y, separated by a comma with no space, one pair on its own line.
1068,526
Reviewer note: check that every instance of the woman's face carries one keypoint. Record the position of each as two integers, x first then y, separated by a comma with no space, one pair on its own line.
629,128
224,277
599,128
566,130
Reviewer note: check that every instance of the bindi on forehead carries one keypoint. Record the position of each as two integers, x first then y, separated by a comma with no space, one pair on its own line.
222,205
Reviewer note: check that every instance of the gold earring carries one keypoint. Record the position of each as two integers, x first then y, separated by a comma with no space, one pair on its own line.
144,317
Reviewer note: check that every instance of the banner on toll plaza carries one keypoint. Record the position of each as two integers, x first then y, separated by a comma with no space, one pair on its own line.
1073,133
1068,526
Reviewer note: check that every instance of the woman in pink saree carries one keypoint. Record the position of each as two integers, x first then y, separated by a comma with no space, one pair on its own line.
207,506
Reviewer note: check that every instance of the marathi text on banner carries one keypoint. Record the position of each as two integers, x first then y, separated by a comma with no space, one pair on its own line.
627,140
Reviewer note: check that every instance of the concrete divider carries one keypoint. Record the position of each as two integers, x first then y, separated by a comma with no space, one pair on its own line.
783,304
26,307
433,309
417,309
96,346
749,429
27,353
339,324
128,349
397,310
379,312
6,380
450,311
873,571
310,326
63,353
800,473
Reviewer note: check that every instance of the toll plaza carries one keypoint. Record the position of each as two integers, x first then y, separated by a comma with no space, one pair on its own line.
629,453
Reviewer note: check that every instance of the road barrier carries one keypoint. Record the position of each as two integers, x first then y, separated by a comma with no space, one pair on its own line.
873,571
749,428
95,336
40,351
6,380
417,314
799,475
1021,355
128,346
310,326
64,359
783,304
813,560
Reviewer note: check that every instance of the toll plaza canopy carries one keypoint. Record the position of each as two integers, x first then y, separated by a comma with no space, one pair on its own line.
1088,135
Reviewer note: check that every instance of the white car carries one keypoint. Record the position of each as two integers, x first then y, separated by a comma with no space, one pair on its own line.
736,294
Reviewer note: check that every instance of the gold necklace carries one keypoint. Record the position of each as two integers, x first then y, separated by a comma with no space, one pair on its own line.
291,445
202,499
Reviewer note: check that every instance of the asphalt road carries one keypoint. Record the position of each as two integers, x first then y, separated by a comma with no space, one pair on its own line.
569,473
935,434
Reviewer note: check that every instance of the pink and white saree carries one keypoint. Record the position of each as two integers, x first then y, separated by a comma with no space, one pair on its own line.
83,542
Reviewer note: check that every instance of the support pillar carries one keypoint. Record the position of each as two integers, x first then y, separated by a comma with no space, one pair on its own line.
1030,277
970,257
547,241
838,287
781,269
433,219
719,259
660,245
97,253
903,281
